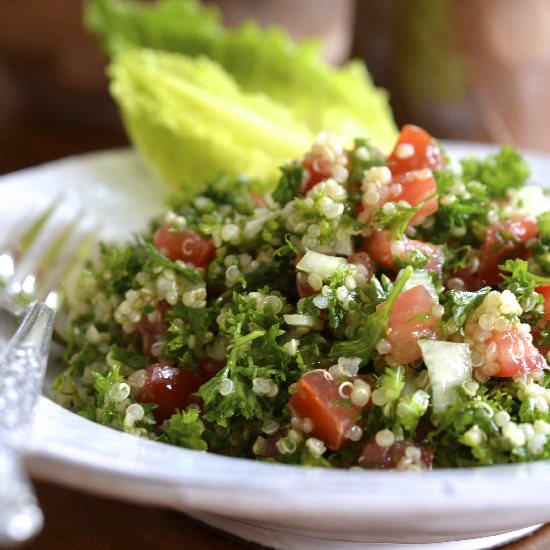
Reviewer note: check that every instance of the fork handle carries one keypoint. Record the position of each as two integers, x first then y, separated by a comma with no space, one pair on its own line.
20,516
22,367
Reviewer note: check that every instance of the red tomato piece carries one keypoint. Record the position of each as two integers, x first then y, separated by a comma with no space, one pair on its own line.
411,318
415,187
415,149
504,241
379,247
169,388
516,353
305,290
472,281
317,398
388,458
544,290
418,186
150,332
535,331
257,199
313,177
186,245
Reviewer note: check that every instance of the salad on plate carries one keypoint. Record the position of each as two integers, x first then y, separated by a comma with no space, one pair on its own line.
372,311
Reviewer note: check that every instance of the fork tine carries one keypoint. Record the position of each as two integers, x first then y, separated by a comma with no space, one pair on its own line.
52,241
72,254
27,267
19,240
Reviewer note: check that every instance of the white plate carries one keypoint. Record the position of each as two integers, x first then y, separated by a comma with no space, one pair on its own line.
275,505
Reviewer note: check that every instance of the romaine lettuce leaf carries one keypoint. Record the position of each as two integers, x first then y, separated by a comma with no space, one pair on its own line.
343,100
173,25
192,122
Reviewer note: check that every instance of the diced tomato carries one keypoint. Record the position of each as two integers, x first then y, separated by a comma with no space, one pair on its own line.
169,388
361,258
151,330
257,199
472,281
305,290
387,458
186,245
378,246
313,177
411,318
535,331
545,291
505,241
516,353
415,187
317,398
425,153
418,186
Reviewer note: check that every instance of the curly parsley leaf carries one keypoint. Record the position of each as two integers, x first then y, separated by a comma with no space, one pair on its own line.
391,384
499,172
543,223
397,219
252,329
450,440
460,303
233,191
185,429
108,410
411,408
290,183
119,265
463,212
541,255
188,332
518,279
241,400
132,359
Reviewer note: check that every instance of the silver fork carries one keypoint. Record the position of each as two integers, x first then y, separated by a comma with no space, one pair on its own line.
34,265
22,366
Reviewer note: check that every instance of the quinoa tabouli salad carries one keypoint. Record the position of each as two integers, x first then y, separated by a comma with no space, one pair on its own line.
371,311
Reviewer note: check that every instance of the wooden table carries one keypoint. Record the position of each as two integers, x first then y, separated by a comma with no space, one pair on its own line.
78,521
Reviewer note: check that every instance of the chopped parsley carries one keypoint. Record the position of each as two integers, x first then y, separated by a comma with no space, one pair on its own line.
247,355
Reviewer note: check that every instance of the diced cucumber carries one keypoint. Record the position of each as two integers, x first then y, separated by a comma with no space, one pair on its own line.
420,277
321,264
298,320
449,365
531,199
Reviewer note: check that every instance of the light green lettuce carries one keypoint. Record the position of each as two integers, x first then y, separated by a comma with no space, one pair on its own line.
192,122
319,96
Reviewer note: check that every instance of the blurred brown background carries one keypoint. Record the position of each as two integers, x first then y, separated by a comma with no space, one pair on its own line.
53,92
465,69
462,68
